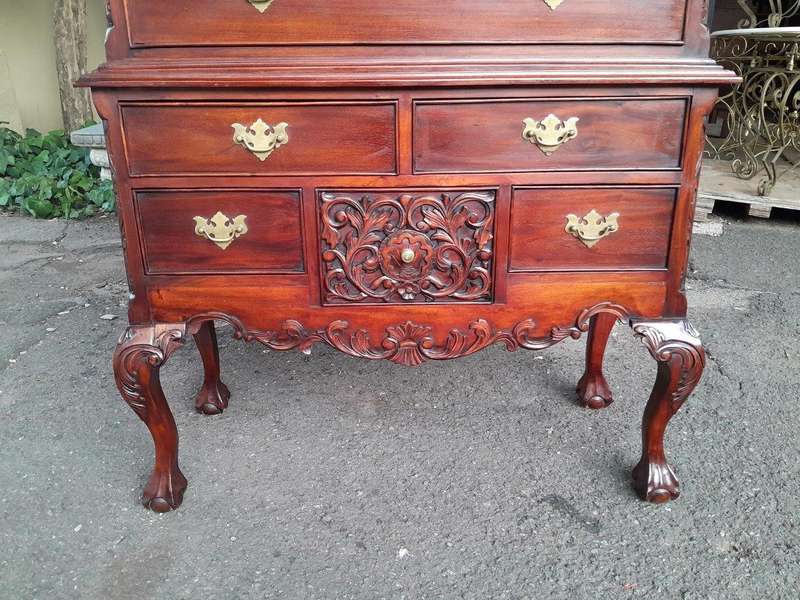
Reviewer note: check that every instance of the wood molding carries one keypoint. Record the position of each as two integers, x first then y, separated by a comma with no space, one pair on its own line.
412,344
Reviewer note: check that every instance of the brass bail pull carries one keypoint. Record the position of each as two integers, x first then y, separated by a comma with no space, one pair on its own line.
261,5
260,138
592,227
220,229
550,133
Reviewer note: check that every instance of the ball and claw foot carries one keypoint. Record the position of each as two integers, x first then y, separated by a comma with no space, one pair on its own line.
164,491
655,482
593,391
212,399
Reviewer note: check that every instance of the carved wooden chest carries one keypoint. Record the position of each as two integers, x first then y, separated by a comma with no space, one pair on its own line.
407,180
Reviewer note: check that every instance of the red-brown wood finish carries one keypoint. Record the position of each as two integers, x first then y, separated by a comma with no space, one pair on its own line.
213,396
540,214
308,22
407,246
404,123
200,140
273,242
486,136
592,389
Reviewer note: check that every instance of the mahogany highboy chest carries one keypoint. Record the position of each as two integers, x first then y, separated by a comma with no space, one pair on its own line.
407,180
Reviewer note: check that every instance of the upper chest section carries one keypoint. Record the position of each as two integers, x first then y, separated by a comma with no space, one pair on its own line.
217,25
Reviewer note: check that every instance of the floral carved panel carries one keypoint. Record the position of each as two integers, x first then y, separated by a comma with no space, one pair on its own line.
410,247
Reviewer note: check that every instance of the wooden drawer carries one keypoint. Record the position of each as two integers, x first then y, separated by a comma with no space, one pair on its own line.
290,22
179,229
407,246
318,138
637,238
493,135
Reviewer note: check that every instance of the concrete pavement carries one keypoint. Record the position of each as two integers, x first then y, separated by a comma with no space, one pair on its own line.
335,478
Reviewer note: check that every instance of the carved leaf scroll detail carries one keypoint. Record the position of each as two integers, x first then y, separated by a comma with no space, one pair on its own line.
412,344
429,247
668,341
143,347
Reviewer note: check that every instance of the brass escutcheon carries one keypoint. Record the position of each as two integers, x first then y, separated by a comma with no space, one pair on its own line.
549,133
263,5
220,229
593,227
553,4
259,138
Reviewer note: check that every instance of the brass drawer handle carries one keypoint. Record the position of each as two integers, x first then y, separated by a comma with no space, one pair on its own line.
593,227
550,132
220,229
263,5
259,138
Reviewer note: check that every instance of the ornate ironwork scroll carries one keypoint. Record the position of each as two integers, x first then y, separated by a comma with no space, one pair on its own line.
763,118
761,113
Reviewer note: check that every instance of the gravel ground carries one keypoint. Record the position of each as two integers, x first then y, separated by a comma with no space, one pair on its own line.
335,478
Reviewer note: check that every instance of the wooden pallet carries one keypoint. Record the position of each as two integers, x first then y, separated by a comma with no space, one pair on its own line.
717,182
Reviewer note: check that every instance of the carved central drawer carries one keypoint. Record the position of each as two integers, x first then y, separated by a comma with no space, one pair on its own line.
407,246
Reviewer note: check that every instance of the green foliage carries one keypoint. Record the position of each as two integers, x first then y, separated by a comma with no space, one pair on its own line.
45,176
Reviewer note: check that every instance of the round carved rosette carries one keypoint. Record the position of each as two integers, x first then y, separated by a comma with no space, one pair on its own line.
407,258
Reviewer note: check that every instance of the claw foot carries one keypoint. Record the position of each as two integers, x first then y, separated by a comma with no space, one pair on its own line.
655,482
593,391
164,491
212,399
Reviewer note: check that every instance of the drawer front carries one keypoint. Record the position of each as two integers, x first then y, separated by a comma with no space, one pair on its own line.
289,22
260,139
402,246
254,231
548,135
570,229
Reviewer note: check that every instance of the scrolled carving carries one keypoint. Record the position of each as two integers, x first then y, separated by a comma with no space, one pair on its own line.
667,341
384,247
412,344
137,346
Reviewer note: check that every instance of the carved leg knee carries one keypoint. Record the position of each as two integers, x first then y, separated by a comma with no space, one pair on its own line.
137,360
681,359
213,397
593,390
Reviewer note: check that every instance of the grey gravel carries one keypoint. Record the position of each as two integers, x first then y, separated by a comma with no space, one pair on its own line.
335,478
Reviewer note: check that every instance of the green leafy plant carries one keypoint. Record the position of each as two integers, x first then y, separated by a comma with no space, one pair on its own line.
45,176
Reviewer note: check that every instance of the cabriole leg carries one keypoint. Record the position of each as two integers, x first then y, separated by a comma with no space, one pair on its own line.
138,358
681,360
213,397
593,390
